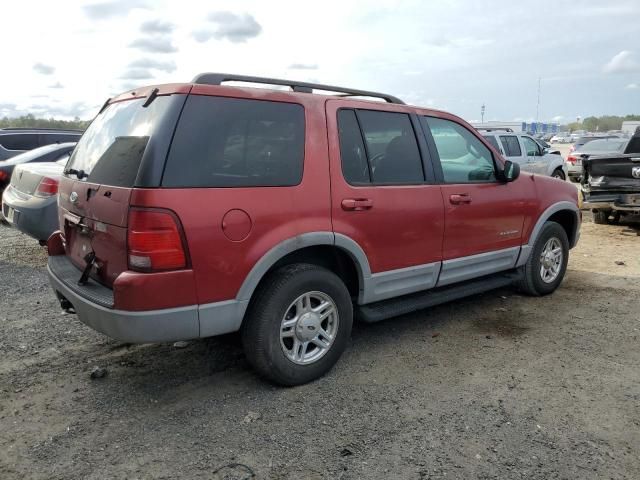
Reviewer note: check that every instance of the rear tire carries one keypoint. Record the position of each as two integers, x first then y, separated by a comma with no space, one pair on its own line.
559,174
547,264
293,304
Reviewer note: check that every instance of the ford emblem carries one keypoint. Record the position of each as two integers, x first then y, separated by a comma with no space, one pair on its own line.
73,198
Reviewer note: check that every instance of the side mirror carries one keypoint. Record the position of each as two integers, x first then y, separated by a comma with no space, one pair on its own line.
511,171
545,150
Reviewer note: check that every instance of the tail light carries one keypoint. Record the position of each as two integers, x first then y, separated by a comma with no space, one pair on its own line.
48,187
3,176
155,241
571,159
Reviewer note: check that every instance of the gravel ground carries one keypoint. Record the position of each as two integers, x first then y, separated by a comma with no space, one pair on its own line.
495,386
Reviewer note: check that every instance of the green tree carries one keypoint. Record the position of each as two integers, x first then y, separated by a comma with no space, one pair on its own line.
30,121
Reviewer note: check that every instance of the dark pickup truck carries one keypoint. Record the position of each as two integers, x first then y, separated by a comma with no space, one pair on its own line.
611,185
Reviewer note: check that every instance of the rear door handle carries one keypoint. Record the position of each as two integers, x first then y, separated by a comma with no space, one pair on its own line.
357,204
459,198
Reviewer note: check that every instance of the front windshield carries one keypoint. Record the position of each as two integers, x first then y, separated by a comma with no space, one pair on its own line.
605,145
118,134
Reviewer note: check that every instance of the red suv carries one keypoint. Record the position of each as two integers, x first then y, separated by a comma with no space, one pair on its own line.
193,210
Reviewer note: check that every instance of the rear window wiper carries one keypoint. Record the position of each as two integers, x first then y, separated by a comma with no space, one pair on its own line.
78,173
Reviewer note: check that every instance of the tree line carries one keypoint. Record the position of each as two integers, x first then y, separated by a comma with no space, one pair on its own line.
30,121
601,124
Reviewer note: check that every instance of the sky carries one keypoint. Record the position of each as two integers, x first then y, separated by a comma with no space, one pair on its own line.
64,59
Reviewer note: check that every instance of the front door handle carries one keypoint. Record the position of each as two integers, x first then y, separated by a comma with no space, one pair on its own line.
460,198
357,204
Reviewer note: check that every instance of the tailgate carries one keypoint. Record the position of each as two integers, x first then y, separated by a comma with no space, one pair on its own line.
94,220
128,139
620,173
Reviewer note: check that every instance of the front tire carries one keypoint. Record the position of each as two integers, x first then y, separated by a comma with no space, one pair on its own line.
547,264
298,324
559,174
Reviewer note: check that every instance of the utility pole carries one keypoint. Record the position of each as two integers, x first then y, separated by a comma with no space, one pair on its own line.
482,113
538,103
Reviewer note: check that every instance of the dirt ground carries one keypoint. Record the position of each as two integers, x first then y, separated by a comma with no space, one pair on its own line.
494,386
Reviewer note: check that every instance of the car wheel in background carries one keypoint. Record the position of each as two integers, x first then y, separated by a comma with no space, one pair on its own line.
547,264
298,324
601,217
558,173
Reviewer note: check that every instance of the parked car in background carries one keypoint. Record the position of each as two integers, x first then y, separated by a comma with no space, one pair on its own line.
603,146
611,183
526,152
200,209
14,141
561,137
581,141
30,202
48,153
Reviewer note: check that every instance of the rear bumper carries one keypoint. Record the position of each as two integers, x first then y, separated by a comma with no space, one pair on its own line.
165,325
37,217
612,206
93,305
625,202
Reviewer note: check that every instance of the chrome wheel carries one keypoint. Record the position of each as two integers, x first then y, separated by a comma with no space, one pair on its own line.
551,260
309,327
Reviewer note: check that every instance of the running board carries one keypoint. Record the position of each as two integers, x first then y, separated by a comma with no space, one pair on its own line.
394,307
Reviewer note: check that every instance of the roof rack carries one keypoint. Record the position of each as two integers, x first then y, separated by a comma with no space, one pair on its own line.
496,129
304,87
46,129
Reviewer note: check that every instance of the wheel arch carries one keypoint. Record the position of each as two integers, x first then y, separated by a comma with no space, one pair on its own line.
337,252
564,213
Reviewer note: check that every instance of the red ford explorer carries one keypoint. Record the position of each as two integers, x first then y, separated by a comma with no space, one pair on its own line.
199,209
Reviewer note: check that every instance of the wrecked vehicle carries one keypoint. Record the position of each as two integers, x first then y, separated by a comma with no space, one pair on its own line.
611,183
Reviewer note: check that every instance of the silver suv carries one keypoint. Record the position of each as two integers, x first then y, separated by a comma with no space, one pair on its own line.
523,149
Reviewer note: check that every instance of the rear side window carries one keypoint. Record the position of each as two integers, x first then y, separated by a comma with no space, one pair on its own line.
230,142
463,157
511,146
389,154
492,140
20,141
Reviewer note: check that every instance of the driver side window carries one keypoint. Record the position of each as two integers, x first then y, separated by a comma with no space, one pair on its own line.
463,157
532,148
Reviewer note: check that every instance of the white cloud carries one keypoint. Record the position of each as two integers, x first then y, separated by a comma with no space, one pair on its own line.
154,44
558,118
113,8
633,86
623,62
43,68
237,28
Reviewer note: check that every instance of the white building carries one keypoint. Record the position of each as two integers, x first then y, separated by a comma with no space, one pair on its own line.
630,126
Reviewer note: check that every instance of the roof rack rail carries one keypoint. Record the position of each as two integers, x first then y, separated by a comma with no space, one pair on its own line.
304,87
46,129
495,129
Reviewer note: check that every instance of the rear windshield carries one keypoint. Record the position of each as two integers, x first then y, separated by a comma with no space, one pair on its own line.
35,154
606,145
231,142
111,149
